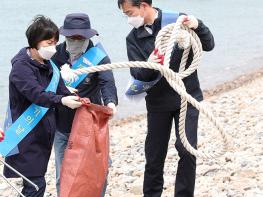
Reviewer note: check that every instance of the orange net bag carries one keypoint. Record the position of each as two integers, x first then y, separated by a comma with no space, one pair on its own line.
85,164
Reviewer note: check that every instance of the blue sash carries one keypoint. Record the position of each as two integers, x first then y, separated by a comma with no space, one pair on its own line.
8,122
137,86
91,58
27,121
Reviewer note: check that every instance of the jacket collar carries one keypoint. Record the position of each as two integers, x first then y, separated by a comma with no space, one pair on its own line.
143,33
24,55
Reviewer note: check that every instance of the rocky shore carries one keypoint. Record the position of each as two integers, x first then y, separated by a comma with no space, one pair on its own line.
239,107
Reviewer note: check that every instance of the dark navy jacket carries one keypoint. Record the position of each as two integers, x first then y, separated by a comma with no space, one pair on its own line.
27,83
99,87
162,97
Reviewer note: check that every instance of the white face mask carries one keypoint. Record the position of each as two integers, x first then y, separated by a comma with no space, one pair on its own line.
47,52
136,21
76,47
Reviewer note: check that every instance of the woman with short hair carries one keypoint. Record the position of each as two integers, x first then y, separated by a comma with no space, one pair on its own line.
31,74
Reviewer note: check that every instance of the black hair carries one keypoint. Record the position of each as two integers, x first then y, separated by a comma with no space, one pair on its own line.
136,3
41,28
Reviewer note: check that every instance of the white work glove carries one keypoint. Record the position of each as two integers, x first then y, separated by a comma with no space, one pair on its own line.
71,102
72,90
113,107
2,135
190,21
67,74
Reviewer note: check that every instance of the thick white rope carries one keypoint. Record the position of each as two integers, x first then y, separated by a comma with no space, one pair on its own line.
165,42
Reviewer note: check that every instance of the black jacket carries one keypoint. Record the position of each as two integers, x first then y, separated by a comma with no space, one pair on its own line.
162,97
27,83
98,87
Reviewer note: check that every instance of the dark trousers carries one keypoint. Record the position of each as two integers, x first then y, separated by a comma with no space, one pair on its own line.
156,145
30,191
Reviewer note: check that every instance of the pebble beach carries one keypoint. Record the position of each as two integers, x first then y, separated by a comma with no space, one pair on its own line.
238,105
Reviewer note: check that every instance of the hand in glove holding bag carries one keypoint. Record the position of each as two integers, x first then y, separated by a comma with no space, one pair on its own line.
113,107
190,21
2,135
71,102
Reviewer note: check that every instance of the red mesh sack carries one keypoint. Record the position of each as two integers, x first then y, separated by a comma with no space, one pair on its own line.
85,164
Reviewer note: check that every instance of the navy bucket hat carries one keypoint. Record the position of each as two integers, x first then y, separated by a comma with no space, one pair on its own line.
77,24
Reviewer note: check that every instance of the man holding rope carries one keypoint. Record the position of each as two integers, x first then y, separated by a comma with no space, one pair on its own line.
162,102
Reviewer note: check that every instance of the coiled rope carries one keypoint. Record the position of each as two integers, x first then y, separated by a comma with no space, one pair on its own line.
165,42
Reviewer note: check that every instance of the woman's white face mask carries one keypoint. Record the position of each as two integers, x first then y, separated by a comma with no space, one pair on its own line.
47,52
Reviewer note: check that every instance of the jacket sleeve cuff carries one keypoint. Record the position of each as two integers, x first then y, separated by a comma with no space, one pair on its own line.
200,26
57,101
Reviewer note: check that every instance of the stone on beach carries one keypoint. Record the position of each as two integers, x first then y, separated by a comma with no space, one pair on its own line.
237,173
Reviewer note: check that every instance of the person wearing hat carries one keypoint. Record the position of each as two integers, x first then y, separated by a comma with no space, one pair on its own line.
99,87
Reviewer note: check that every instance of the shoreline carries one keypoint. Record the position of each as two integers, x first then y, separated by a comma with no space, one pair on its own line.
224,87
237,82
238,107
